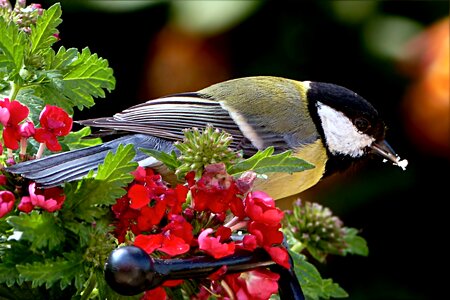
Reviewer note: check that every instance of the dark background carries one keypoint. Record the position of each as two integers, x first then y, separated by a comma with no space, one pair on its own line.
400,213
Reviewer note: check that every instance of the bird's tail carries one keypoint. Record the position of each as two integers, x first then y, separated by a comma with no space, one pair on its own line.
56,169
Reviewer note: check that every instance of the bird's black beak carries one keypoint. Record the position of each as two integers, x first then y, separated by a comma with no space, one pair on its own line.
383,149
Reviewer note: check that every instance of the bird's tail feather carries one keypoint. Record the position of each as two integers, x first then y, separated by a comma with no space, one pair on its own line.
68,166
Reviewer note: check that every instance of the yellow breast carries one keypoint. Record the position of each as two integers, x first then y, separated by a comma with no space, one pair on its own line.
282,185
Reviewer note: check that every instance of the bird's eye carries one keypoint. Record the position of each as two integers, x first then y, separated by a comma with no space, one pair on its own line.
362,124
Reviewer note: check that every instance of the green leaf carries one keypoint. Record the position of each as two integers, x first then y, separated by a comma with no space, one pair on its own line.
313,286
59,269
355,244
265,162
170,160
74,79
333,289
42,34
76,139
41,229
86,78
13,252
85,198
12,45
117,167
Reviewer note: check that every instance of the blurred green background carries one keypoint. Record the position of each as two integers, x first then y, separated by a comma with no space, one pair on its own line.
393,53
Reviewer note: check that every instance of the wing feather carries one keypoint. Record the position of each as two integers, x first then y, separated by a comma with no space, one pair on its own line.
167,117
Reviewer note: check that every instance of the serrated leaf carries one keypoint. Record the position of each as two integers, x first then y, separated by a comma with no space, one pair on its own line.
170,160
265,162
12,45
59,269
8,274
355,244
42,33
332,289
74,79
88,195
86,78
40,229
117,166
14,252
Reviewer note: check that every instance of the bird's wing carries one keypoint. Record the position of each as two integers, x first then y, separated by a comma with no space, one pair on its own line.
71,165
167,117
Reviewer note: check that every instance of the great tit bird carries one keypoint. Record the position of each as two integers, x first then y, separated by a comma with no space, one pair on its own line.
325,124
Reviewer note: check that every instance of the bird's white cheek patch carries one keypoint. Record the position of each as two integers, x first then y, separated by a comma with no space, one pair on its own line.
341,135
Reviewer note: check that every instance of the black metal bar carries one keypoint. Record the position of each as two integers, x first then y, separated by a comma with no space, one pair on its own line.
129,270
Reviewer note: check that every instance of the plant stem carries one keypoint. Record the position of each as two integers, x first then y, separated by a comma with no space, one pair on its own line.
14,91
40,150
298,247
91,284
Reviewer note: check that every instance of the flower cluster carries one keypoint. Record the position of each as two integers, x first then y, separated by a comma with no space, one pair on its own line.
49,200
24,16
315,228
17,129
214,215
204,147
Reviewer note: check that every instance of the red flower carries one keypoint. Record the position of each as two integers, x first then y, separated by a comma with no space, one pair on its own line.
179,227
175,198
55,122
261,207
3,179
125,218
279,255
258,284
215,190
139,196
50,199
213,246
25,205
11,114
158,293
151,216
6,202
249,242
266,235
164,242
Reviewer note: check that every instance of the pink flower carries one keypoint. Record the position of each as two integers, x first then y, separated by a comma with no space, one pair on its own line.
213,246
50,199
26,129
4,115
261,207
6,202
258,284
17,113
55,122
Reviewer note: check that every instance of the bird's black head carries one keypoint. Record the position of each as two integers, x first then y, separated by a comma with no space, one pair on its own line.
348,124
